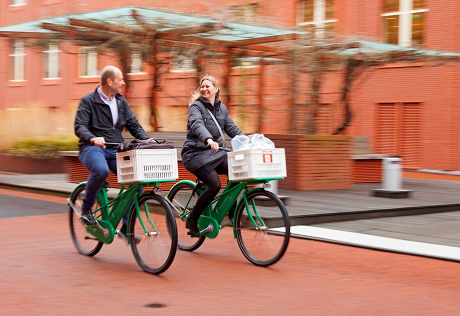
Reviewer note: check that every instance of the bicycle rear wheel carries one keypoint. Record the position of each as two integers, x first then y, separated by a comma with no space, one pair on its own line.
262,228
153,234
183,199
85,243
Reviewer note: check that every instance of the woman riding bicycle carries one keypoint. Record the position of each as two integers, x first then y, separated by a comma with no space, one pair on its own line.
200,153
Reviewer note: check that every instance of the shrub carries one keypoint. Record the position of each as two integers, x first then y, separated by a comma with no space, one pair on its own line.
42,147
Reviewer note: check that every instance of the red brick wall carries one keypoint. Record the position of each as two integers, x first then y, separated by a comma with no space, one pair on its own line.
315,162
436,88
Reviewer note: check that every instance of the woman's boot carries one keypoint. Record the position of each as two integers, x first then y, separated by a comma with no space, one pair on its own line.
192,223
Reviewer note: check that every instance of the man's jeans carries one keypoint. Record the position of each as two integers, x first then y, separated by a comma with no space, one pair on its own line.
98,161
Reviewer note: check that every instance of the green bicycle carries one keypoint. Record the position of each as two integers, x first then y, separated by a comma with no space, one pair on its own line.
260,224
152,230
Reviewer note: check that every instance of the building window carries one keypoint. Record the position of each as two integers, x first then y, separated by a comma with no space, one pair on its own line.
18,2
136,63
317,16
403,22
87,62
183,63
51,62
17,61
248,62
244,13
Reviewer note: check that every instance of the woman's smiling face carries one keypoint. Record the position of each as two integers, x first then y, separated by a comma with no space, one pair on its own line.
208,90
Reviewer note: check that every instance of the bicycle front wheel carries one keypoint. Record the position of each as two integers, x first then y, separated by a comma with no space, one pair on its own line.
153,234
183,198
85,243
262,228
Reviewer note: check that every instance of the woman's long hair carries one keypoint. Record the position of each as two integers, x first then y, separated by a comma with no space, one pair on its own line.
197,94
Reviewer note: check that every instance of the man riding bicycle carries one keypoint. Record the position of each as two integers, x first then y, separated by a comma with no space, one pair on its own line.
101,117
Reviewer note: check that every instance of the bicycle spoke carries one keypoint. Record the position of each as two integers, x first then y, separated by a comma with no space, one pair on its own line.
256,219
153,233
85,243
183,198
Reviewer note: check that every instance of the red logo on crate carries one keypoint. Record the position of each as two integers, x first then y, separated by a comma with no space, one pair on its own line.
267,156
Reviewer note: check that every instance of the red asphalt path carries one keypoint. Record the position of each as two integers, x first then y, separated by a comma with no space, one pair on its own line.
42,274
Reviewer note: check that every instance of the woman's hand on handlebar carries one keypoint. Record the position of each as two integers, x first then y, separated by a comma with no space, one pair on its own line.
214,146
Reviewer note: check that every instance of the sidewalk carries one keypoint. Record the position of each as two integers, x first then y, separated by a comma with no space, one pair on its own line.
427,223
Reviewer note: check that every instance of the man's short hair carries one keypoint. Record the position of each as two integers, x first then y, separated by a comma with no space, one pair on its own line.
107,72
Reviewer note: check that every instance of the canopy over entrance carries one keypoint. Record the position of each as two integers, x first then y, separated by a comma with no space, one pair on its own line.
140,22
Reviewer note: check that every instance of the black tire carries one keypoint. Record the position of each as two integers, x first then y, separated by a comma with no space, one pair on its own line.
85,243
178,196
155,250
263,245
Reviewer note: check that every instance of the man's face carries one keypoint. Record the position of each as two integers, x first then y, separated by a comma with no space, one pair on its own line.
116,85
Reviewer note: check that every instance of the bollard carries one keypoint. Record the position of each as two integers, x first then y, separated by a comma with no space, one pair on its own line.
391,180
391,174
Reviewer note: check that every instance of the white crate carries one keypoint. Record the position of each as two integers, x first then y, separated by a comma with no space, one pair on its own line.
256,164
147,165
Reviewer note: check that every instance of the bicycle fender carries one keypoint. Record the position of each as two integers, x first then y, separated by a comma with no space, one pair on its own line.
76,187
192,183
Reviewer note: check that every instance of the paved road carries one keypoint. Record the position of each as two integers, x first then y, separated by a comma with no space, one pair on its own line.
43,274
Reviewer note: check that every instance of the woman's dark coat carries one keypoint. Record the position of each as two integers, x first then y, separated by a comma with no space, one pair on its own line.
196,154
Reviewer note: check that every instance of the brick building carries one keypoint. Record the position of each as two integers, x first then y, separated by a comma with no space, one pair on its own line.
409,110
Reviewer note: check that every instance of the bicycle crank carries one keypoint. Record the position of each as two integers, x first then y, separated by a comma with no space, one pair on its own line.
208,226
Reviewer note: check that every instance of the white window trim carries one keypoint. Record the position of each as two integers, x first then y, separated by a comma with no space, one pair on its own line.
174,68
53,63
319,18
91,62
136,63
18,56
18,3
247,63
405,21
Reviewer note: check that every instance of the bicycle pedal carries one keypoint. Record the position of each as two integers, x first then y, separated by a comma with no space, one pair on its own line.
86,223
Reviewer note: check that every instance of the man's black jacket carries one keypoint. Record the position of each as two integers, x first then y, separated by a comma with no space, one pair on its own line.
94,119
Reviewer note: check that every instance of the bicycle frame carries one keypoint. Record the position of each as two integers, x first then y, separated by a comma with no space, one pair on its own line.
216,211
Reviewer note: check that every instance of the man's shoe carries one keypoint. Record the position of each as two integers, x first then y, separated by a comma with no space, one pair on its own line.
87,216
192,226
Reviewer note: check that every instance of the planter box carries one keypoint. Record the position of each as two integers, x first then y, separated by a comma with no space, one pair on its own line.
315,162
76,172
30,165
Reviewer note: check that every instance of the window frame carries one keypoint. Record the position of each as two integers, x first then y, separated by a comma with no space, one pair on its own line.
320,20
174,68
89,55
51,65
405,23
17,3
137,63
17,61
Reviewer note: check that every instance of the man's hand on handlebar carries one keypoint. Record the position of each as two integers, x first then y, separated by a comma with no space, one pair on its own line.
98,141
